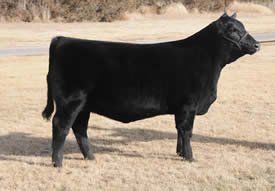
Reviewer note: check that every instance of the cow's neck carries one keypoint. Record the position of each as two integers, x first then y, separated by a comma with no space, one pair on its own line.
208,41
225,53
220,51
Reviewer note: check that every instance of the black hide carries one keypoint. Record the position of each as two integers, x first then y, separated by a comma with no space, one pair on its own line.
129,82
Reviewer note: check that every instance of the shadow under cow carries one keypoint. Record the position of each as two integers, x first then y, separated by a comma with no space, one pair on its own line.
23,144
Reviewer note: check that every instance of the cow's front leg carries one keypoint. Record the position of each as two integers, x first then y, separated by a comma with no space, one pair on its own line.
179,143
184,124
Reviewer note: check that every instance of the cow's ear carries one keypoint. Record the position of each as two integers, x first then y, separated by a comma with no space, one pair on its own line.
234,16
224,14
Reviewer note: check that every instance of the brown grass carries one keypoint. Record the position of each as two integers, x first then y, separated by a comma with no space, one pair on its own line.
234,143
137,29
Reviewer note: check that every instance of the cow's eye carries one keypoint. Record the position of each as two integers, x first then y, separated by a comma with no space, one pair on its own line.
234,30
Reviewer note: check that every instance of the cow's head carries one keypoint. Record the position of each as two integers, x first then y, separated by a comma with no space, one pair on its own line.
234,34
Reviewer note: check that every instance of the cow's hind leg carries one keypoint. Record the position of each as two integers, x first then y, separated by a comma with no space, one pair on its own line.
66,112
80,131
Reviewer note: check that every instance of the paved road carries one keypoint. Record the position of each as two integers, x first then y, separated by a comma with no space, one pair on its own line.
43,50
24,51
265,37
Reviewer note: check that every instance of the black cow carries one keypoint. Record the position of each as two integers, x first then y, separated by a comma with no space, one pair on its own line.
128,82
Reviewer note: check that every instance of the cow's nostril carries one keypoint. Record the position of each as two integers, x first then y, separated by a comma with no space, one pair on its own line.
257,46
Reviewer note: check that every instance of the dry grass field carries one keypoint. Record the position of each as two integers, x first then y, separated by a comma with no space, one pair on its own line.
135,29
234,144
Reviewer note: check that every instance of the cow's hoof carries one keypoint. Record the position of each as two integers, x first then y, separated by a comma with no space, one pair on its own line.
89,156
186,157
180,154
189,159
57,164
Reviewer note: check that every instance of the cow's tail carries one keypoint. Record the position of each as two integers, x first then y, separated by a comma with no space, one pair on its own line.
47,112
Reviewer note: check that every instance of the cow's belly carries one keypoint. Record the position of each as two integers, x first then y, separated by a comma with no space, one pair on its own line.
127,108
